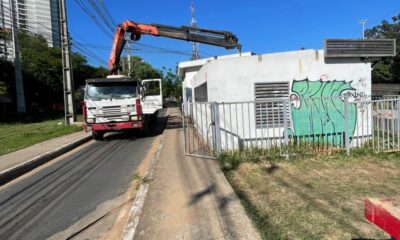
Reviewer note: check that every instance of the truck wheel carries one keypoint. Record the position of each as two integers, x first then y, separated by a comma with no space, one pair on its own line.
144,129
98,135
154,117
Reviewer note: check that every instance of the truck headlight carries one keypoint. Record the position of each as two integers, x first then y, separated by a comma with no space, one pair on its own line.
90,120
134,118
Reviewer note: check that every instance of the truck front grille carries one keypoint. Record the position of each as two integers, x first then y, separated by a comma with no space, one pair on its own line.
112,111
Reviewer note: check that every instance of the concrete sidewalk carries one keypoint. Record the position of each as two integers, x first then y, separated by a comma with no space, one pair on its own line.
41,152
190,198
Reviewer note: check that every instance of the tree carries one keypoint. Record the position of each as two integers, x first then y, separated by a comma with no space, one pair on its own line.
82,70
6,77
42,72
384,71
172,86
140,69
3,89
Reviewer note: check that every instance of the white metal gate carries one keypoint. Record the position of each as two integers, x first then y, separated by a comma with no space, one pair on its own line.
291,125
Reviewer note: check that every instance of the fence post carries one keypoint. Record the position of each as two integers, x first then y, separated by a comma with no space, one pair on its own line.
346,125
286,126
183,112
398,121
216,127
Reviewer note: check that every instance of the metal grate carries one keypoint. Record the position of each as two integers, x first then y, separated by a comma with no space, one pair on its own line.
360,48
271,114
111,111
200,93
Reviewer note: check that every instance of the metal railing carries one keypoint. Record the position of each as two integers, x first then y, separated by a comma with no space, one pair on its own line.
324,124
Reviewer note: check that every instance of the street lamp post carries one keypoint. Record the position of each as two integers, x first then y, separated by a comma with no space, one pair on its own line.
363,22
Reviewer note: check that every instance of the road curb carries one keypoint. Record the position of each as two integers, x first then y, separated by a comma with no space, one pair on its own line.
16,171
137,205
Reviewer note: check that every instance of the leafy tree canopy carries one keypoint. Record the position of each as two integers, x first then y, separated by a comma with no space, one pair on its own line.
387,71
141,70
42,72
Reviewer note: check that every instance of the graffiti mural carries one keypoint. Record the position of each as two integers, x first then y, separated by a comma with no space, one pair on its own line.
318,111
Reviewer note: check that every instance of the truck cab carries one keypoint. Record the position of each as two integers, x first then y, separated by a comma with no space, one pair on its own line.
120,104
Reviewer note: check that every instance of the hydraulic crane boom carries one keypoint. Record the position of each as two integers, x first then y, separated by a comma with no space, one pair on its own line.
217,38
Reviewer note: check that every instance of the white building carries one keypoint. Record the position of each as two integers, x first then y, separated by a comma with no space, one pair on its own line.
234,78
240,83
188,70
35,16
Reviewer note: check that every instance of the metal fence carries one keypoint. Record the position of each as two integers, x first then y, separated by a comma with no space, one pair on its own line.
324,125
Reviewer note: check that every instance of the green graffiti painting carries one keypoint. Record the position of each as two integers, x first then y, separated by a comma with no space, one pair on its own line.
318,111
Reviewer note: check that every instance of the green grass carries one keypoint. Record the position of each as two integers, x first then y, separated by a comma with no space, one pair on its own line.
15,136
312,197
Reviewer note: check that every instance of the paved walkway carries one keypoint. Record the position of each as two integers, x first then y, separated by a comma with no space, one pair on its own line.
16,158
190,198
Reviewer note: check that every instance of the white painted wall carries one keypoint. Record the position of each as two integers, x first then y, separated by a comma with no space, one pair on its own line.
189,69
233,80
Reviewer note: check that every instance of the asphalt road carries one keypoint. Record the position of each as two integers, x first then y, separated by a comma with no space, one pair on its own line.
61,194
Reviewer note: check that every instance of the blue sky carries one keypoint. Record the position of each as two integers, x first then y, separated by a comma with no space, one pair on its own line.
262,26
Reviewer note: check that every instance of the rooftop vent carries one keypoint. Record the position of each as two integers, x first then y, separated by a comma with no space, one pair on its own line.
366,48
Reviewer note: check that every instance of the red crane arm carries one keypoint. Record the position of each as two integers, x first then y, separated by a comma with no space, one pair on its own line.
201,35
119,40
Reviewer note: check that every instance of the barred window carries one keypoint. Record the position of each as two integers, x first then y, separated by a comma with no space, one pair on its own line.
188,94
200,93
271,113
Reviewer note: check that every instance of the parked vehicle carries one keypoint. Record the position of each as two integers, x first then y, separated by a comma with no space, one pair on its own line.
119,103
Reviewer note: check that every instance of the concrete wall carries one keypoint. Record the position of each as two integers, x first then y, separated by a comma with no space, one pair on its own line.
233,79
309,74
189,69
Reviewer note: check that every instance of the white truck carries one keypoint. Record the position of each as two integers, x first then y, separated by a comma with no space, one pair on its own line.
120,103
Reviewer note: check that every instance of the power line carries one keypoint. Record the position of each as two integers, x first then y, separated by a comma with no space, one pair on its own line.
107,12
84,45
86,9
165,49
101,15
81,46
89,53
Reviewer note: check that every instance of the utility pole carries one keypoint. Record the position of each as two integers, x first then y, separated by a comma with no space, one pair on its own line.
68,80
195,50
363,22
128,49
127,38
19,85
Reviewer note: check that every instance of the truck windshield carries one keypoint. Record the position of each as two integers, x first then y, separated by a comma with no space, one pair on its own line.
111,90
